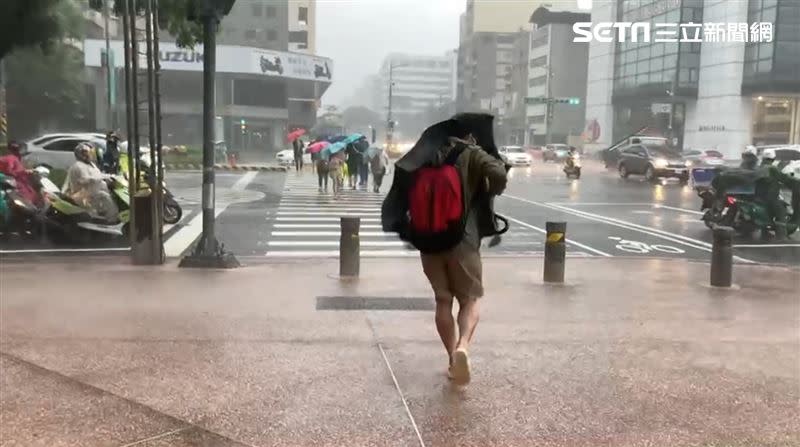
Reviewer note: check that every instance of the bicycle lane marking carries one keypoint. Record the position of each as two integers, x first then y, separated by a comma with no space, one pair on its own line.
653,232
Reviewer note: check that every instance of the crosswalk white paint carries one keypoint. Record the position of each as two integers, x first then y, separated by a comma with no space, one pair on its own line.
307,225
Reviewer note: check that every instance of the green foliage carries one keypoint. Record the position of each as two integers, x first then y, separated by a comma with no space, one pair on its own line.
43,23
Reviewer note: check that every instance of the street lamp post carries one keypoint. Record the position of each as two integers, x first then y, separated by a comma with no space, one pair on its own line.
549,105
389,120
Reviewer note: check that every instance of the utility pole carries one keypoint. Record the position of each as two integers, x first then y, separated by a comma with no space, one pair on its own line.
389,120
112,115
209,253
549,106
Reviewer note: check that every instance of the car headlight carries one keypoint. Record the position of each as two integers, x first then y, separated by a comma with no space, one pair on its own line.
687,163
660,163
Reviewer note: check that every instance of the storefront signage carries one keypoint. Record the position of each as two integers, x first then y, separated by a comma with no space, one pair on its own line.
230,59
660,107
711,128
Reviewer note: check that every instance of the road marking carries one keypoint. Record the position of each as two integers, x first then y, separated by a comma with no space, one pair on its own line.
321,219
326,208
672,237
325,213
327,233
674,208
766,245
335,253
183,238
642,247
334,243
64,250
600,203
569,241
321,226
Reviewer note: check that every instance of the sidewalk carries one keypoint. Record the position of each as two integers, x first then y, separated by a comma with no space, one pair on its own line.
630,353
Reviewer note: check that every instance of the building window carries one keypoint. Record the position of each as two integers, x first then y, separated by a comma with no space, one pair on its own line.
250,34
536,119
299,37
539,41
257,9
272,35
537,81
271,12
302,15
540,61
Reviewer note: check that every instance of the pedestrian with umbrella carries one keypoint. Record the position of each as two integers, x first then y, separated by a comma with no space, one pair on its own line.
319,162
297,146
354,161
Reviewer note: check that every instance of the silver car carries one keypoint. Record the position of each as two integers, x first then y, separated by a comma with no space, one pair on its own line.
56,151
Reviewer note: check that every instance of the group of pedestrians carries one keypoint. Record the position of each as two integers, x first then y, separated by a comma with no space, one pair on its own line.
352,165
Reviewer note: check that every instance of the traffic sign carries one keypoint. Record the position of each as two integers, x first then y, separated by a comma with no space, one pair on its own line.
543,100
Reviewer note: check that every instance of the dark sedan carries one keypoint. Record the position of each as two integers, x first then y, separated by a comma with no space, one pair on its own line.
653,163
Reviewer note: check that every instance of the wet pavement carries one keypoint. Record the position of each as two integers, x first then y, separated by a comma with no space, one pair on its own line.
630,352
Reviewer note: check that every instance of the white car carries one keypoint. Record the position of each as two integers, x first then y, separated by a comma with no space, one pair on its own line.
286,157
788,160
515,156
56,151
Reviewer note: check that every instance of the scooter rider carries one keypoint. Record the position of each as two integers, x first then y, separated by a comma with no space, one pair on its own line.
768,184
768,157
86,185
749,158
12,166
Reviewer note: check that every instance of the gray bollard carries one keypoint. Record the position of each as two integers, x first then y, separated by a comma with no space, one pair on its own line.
722,257
349,247
555,252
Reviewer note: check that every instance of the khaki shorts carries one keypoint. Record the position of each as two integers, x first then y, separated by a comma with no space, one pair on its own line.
455,273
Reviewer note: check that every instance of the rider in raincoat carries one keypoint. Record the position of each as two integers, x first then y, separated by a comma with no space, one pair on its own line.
86,185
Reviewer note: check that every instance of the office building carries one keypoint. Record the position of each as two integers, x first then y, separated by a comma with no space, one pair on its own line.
719,92
263,89
487,36
556,71
420,82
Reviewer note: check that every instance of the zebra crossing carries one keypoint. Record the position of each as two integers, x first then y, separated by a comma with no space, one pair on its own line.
306,224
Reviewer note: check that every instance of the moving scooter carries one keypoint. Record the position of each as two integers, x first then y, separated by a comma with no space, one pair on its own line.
71,220
572,166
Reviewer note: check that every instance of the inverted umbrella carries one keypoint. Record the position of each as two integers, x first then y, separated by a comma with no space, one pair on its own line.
295,134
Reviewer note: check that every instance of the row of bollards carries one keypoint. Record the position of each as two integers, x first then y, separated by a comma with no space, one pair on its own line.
555,252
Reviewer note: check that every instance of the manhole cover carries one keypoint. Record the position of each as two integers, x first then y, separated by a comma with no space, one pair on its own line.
373,303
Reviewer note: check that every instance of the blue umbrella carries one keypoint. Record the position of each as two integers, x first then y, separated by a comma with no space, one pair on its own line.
352,138
332,149
336,138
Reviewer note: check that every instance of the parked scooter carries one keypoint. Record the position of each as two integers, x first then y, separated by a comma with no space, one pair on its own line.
572,165
172,211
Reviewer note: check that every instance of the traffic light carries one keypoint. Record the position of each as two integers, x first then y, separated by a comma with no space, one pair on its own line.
243,125
574,101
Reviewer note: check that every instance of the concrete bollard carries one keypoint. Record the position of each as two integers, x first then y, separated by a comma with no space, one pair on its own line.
349,247
555,252
722,257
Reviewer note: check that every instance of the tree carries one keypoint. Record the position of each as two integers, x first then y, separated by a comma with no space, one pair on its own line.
25,23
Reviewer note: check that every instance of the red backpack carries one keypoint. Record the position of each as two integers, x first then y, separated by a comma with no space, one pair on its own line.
436,207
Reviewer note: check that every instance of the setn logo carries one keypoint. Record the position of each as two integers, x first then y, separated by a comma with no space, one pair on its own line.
604,31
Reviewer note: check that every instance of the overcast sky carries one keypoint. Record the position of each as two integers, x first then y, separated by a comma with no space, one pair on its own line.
358,34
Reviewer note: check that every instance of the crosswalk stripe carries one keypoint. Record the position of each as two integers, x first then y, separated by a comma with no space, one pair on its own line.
335,253
321,226
326,213
326,233
397,243
321,219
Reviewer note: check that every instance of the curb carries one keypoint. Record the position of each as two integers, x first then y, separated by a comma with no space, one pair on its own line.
220,167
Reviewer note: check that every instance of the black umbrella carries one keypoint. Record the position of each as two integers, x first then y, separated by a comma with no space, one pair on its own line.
395,206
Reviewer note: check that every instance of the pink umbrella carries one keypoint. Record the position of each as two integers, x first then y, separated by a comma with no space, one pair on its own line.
316,147
295,134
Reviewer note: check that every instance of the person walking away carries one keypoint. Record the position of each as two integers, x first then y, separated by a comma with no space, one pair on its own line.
443,224
86,185
12,166
354,161
321,166
297,145
378,164
336,166
110,162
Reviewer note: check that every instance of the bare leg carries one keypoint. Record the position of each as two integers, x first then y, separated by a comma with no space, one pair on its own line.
468,317
446,326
